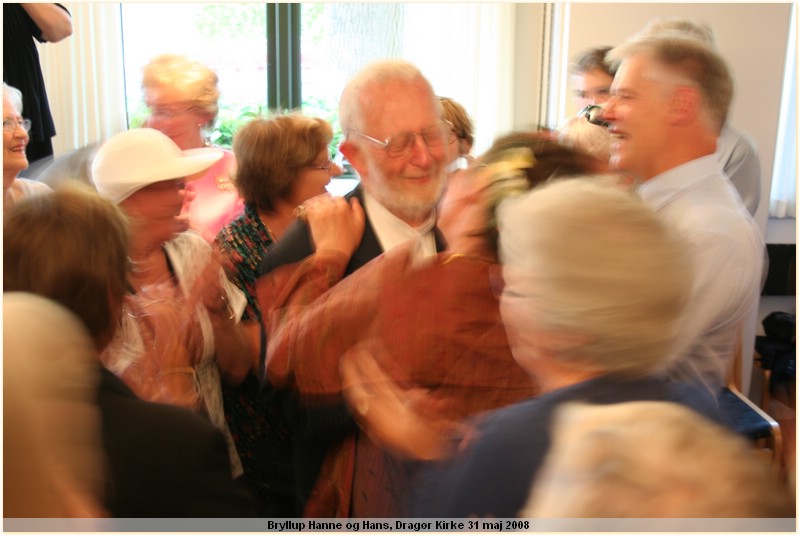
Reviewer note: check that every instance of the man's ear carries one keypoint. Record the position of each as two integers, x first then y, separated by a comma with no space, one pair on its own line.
353,155
684,106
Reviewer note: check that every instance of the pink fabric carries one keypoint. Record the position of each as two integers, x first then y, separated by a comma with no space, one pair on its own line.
216,202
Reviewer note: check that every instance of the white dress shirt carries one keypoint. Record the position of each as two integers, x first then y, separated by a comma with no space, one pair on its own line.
740,162
699,201
391,231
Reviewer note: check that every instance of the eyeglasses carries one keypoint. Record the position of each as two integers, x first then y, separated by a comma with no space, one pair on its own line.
437,135
325,166
161,112
10,125
594,114
166,186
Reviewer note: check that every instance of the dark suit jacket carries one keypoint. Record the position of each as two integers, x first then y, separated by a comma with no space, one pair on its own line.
314,428
164,461
295,245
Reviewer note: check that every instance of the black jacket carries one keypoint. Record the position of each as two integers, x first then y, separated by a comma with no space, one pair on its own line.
164,461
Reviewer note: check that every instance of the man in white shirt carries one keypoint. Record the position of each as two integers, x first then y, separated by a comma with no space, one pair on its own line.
735,150
670,101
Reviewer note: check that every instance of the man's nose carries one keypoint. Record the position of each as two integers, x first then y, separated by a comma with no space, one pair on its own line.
607,113
421,155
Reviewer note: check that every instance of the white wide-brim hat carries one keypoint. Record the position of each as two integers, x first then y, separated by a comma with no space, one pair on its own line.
136,158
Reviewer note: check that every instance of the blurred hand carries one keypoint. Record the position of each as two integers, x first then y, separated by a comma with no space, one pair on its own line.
207,288
385,411
168,327
335,223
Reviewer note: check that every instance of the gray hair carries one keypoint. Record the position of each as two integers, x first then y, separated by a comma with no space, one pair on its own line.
14,96
693,61
352,101
675,27
594,139
651,459
592,263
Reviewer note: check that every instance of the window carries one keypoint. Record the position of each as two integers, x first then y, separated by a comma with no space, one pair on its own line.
94,78
783,193
229,38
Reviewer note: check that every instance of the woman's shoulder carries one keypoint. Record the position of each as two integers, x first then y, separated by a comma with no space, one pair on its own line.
30,186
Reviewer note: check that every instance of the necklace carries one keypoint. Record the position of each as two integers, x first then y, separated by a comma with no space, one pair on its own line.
265,223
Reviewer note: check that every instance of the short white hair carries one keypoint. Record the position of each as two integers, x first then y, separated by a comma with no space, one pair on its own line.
591,262
651,459
351,105
14,96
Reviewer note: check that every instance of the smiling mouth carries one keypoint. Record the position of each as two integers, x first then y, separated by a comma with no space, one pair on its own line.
618,138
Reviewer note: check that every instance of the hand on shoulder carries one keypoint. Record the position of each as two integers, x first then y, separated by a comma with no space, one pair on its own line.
336,224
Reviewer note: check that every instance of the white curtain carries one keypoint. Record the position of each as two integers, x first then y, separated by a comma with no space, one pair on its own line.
84,77
467,52
783,193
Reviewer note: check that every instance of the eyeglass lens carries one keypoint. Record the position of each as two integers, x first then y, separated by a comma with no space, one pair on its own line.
9,125
435,135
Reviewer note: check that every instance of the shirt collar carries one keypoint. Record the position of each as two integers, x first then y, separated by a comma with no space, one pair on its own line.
659,190
392,231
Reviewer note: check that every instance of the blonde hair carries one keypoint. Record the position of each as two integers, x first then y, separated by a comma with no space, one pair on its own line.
591,262
270,153
459,118
196,82
651,459
692,60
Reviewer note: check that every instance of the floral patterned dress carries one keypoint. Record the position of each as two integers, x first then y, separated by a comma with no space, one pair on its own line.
255,413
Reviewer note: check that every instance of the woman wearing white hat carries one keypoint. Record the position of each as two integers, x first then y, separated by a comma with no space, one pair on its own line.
180,334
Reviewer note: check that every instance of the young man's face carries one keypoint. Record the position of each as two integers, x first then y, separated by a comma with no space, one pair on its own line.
591,87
